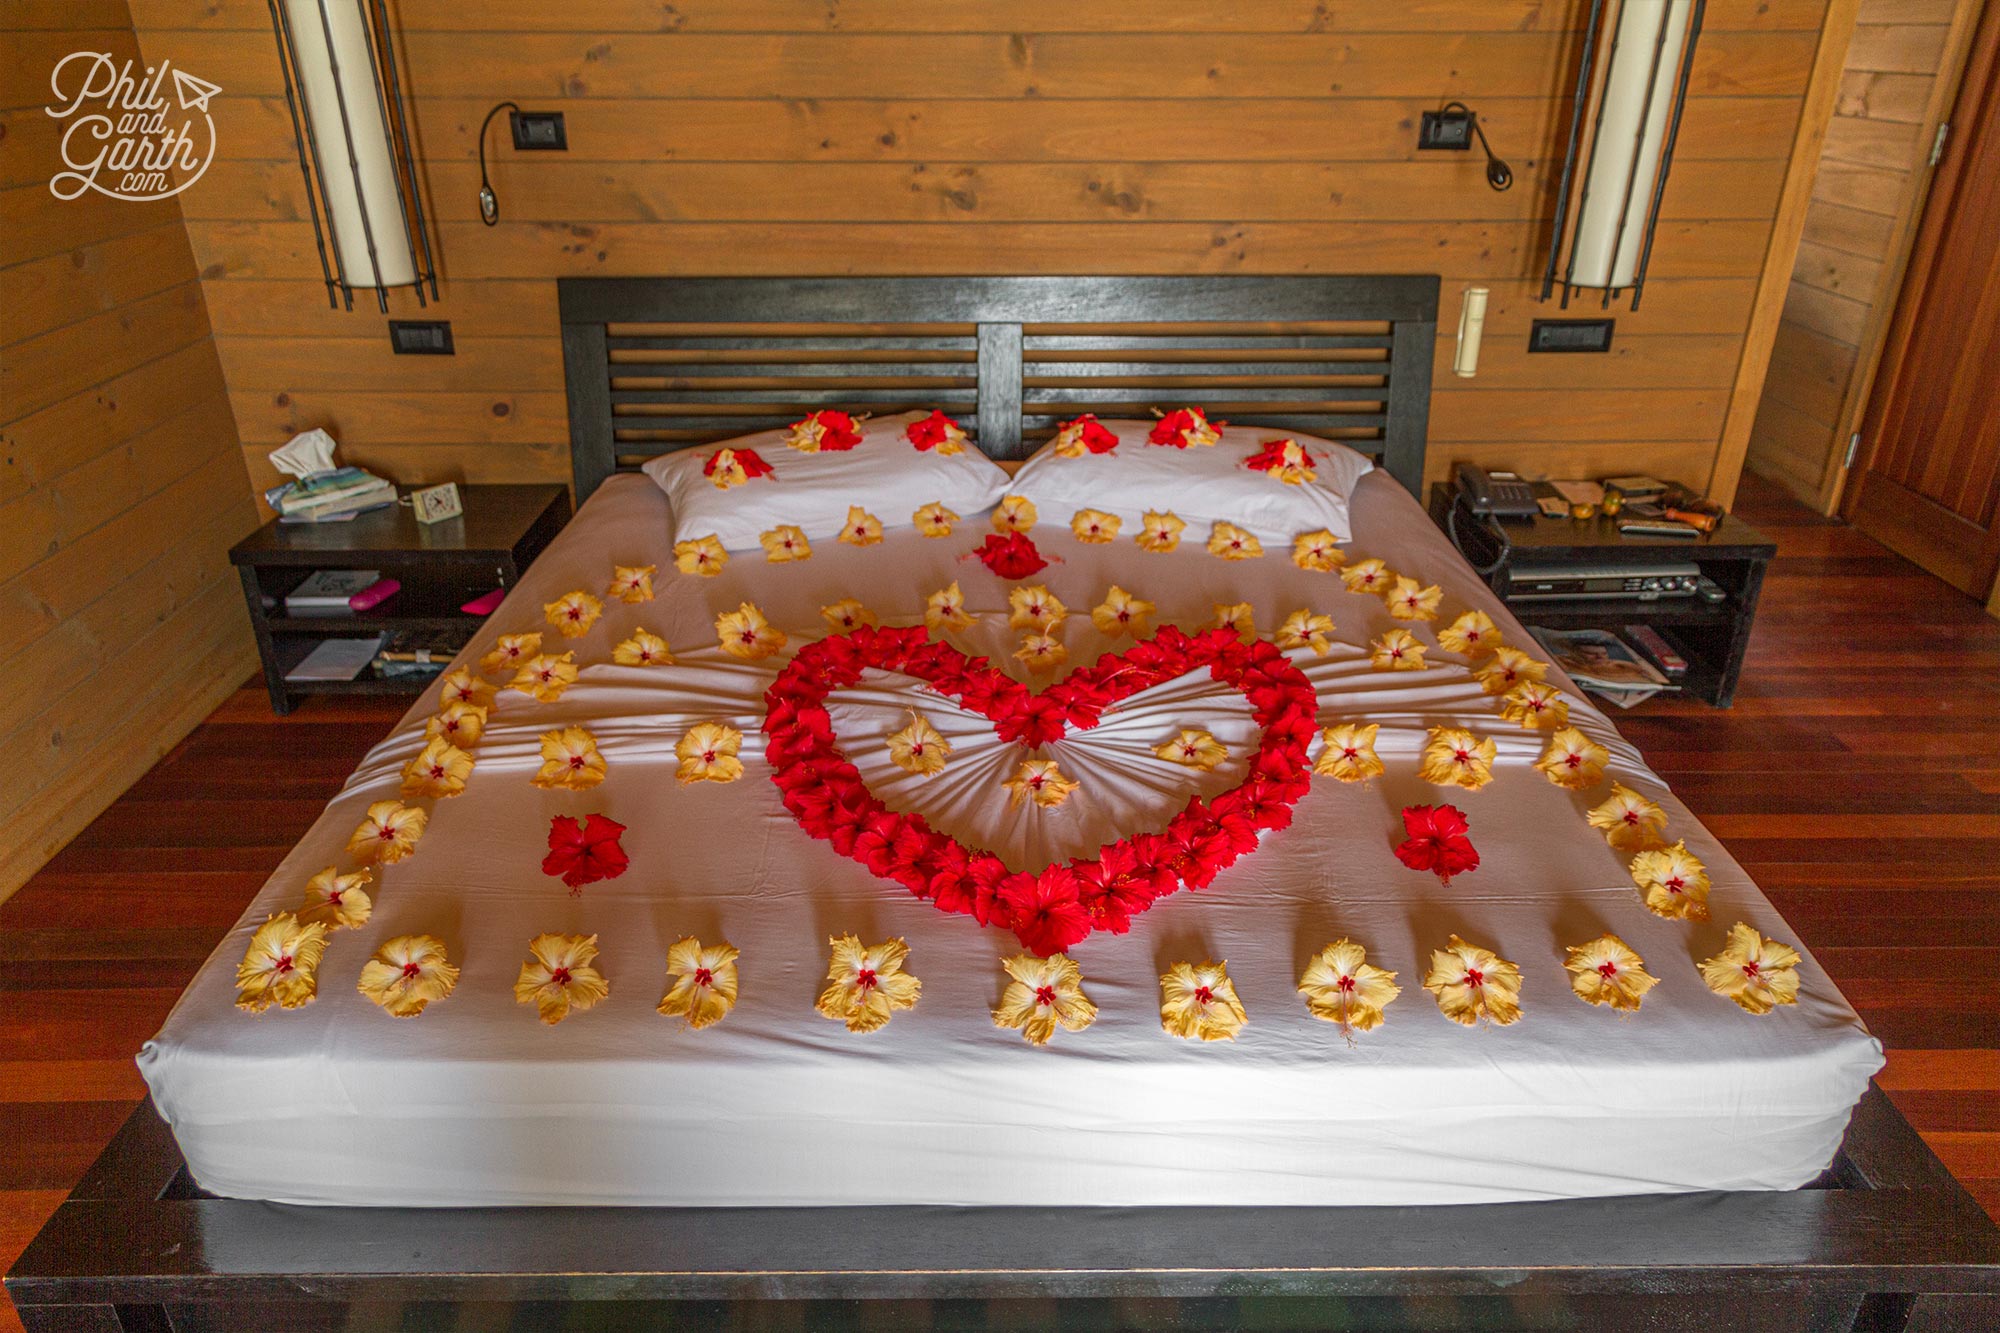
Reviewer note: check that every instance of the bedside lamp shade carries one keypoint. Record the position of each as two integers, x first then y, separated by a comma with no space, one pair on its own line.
354,146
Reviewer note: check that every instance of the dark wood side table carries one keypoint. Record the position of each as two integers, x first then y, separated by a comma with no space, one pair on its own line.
1712,634
440,565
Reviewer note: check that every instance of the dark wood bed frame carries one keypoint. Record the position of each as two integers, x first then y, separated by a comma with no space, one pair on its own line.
1884,1240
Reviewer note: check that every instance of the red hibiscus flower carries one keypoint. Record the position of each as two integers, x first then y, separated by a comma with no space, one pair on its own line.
747,459
1045,910
837,431
1436,841
1091,433
929,433
1272,456
1011,557
584,852
1172,428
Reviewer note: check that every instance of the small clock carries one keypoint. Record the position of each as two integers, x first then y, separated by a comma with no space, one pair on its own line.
434,504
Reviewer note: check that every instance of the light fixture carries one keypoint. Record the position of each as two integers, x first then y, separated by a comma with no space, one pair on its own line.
353,136
1471,329
1648,56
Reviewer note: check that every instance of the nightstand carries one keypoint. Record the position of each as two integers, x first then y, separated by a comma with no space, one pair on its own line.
1712,634
440,565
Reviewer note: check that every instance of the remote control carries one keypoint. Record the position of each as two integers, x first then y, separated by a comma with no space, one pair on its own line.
1648,641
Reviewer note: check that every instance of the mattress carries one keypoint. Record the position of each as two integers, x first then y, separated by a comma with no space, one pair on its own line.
477,1103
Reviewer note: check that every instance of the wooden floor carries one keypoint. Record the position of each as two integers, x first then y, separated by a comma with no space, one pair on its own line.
1857,779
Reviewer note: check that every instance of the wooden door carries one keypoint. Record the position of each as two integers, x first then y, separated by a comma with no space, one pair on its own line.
1928,485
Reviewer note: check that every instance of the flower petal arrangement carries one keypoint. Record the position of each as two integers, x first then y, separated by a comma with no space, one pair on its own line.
1012,556
1184,428
1573,760
1630,822
1084,435
570,760
388,832
1343,988
1347,752
643,649
1606,971
558,978
584,851
704,982
823,432
1198,1002
632,584
1436,839
281,965
866,983
1471,983
336,900
574,613
937,431
707,753
1758,974
733,467
1042,994
408,974
1053,908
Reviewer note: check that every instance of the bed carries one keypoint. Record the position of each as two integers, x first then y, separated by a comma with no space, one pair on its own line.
1685,1153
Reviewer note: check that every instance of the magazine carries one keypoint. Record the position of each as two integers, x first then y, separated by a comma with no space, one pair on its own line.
1602,663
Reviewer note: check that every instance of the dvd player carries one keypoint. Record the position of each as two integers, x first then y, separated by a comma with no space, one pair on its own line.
1645,582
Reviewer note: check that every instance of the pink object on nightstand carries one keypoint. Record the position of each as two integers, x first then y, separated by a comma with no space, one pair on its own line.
372,596
485,604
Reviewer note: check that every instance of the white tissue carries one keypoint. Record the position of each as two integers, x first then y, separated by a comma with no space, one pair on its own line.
304,455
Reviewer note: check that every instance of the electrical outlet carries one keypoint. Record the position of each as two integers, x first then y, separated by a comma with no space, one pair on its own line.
1445,129
539,130
421,337
1571,335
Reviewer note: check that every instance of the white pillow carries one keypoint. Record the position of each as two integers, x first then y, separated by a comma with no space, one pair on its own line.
884,474
1201,484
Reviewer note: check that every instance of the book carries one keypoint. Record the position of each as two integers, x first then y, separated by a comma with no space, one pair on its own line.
325,592
336,659
1602,663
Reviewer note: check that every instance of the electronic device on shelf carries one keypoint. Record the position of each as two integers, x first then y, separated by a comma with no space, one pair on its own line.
1490,496
1646,583
1652,644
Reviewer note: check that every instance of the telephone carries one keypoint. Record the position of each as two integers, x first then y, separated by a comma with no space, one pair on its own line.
1496,497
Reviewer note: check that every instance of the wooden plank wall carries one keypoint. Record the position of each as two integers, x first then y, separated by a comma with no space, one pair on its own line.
121,475
1874,169
987,136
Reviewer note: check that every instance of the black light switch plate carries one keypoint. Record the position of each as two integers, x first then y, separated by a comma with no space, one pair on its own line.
539,130
1570,335
1445,129
421,337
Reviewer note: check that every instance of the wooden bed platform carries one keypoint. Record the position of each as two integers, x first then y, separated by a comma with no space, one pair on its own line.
1885,1240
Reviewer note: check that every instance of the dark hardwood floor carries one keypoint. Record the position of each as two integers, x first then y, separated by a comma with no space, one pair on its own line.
1855,778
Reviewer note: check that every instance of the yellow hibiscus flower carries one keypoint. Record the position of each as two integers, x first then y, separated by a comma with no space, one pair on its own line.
336,900
708,753
1122,613
544,677
704,982
1198,1001
631,584
573,613
281,966
1035,607
1233,543
1573,760
439,770
1454,757
1342,987
934,520
407,974
1472,634
1317,552
846,614
745,634
1674,881
1303,629
461,724
1041,993
1041,653
570,760
1094,527
1195,748
945,610
1406,600
1630,822
725,470
387,833
918,748
644,648
1758,974
1396,650
861,529
1367,576
1471,983
1039,780
559,979
1237,616
1014,513
1160,532
1506,668
1347,752
866,984
700,555
1606,971
509,651
1535,706
462,687
785,544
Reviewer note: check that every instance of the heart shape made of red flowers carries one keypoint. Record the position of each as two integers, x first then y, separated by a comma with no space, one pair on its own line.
1053,908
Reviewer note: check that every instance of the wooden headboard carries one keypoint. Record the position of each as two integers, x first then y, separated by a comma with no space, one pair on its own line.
658,364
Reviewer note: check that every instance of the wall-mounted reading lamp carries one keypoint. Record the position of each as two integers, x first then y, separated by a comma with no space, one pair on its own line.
1648,57
353,136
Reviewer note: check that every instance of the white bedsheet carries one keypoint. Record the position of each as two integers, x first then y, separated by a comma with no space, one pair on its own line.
475,1102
